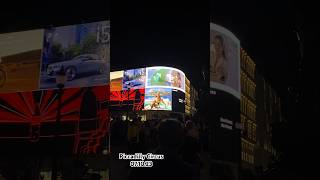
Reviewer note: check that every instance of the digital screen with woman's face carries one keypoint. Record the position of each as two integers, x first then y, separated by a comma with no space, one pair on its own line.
224,60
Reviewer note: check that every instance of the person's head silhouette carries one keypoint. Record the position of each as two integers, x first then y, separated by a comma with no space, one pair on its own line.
170,134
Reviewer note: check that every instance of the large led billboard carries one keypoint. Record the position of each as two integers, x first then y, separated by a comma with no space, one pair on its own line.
224,60
158,99
31,117
29,63
161,88
20,57
134,98
81,50
165,77
134,79
116,79
178,101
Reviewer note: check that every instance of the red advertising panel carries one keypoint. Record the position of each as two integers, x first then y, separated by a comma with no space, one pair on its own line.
134,98
84,116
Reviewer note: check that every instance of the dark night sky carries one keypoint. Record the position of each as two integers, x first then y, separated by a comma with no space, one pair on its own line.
163,33
177,34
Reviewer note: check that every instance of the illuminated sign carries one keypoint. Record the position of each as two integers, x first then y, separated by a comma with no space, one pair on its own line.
158,99
163,88
165,77
116,79
82,51
224,60
134,79
226,123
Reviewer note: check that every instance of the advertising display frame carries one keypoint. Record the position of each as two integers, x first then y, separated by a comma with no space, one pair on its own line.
236,75
159,86
117,92
167,101
116,78
83,50
133,82
30,115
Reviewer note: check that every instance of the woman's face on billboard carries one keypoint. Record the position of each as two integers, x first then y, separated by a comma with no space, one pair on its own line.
218,46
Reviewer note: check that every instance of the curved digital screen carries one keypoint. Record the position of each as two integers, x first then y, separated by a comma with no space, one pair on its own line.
158,99
224,60
163,87
165,77
134,79
116,79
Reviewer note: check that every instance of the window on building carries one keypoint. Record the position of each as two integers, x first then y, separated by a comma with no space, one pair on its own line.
242,104
246,108
244,156
249,88
254,113
245,63
243,119
244,84
252,147
249,129
241,79
254,92
254,131
249,110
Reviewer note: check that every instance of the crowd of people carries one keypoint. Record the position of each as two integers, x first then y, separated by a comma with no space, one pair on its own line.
181,143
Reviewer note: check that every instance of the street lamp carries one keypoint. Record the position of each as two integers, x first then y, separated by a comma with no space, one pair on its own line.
60,81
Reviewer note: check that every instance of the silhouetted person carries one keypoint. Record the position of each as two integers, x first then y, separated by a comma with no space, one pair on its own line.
137,96
88,105
119,144
172,166
118,132
95,176
145,137
191,148
88,114
134,135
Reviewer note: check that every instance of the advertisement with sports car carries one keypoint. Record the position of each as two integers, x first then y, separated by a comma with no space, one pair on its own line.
81,51
134,79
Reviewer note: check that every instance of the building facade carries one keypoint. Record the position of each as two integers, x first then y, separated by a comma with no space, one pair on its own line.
260,107
248,108
268,112
152,93
191,99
